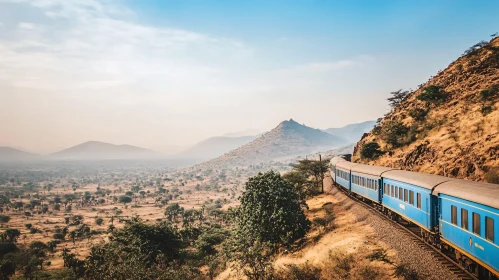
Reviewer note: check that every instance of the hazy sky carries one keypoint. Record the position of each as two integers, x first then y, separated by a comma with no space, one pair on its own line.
165,72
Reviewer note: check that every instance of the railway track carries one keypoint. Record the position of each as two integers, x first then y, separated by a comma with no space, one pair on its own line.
439,256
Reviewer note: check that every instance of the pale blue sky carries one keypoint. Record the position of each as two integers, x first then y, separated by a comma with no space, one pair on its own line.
159,73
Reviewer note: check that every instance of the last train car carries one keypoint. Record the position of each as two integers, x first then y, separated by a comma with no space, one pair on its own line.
343,169
469,224
366,181
332,166
408,195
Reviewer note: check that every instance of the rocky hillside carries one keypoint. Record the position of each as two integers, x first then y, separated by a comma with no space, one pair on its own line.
288,139
448,126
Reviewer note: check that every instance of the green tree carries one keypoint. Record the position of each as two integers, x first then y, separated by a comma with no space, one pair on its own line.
370,150
313,168
397,97
125,199
11,235
271,212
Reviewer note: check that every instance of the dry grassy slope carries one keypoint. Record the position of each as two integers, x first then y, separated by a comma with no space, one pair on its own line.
465,144
288,139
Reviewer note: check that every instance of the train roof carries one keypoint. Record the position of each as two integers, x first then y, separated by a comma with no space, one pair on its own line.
345,164
424,180
335,160
478,192
371,169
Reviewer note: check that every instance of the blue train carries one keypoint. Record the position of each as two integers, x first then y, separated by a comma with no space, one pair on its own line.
456,215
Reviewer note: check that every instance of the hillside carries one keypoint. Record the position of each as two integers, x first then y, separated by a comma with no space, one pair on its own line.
94,150
10,154
352,132
288,139
449,125
214,147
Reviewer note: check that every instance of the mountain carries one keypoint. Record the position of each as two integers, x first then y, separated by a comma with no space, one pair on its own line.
449,125
10,154
352,132
94,150
247,132
214,147
288,139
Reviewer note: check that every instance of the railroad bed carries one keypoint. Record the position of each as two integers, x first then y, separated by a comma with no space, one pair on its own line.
423,258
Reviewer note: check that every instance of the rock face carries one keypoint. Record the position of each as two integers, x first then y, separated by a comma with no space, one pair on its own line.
449,125
288,139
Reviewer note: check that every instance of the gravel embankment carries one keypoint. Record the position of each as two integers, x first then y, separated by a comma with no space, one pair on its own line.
408,251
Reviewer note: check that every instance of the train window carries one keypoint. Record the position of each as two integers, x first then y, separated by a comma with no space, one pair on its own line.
453,213
419,200
401,193
406,197
396,192
411,197
476,223
376,185
489,228
464,219
392,191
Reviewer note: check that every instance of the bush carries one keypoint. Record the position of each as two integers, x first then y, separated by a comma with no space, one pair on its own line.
432,94
492,176
371,150
418,114
487,109
58,236
298,272
392,132
28,226
488,93
99,221
4,219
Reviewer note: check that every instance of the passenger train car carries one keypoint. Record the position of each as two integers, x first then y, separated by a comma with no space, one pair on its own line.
456,215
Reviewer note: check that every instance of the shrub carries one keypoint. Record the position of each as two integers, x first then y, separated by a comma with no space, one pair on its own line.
475,48
28,226
298,272
371,150
432,94
393,131
58,236
99,221
492,176
488,93
4,219
486,109
418,114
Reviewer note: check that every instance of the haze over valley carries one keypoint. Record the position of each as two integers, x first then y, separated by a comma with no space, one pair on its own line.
249,140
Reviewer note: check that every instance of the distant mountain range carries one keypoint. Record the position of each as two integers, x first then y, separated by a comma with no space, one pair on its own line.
214,147
94,150
353,132
10,154
288,139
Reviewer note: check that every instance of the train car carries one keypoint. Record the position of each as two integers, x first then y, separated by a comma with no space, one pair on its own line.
332,166
366,181
469,212
343,169
407,195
